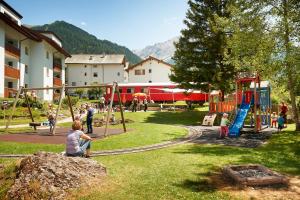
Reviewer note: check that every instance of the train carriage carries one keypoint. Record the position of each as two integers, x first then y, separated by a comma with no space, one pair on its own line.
157,92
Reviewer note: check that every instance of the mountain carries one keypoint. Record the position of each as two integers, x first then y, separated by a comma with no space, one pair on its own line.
163,50
76,40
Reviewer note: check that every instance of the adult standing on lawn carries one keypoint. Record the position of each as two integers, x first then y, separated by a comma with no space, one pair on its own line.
102,104
283,112
89,119
134,104
145,104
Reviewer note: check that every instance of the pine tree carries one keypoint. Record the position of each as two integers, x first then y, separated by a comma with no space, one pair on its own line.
287,27
200,52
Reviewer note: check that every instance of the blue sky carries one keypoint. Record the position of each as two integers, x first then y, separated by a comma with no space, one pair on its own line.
132,23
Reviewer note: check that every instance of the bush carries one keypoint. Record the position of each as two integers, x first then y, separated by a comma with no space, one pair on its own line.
74,101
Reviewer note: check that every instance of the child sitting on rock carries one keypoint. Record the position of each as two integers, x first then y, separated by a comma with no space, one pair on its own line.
224,130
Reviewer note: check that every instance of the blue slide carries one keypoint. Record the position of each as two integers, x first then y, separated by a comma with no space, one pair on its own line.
235,128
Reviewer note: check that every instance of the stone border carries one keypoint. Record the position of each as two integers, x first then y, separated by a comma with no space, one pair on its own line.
274,178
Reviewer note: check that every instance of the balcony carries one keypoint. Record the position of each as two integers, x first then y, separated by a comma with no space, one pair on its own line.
11,72
57,65
57,81
12,50
10,92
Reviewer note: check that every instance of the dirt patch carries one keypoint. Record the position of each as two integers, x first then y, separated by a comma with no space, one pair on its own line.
43,136
225,184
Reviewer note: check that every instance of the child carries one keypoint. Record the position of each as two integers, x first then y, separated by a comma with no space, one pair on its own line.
224,126
280,121
274,120
51,121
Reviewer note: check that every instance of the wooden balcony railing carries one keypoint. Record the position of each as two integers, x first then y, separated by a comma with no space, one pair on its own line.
10,92
12,50
11,72
57,81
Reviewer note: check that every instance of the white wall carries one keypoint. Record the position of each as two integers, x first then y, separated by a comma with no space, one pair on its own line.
2,57
159,72
107,73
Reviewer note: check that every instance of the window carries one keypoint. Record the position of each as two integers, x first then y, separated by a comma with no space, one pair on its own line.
85,74
26,50
85,83
47,54
120,90
73,83
10,84
130,90
139,72
84,66
150,81
48,72
95,66
144,90
95,74
119,74
10,63
26,85
26,69
150,71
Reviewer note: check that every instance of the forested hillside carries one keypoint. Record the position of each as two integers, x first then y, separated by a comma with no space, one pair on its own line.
76,40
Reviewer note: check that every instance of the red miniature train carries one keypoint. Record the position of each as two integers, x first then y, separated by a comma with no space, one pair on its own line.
157,92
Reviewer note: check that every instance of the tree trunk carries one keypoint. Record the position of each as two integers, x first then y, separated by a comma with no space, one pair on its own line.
289,66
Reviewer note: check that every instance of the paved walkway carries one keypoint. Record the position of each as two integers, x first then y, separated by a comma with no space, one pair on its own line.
193,135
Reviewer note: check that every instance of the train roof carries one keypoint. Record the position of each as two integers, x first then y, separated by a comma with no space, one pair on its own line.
147,84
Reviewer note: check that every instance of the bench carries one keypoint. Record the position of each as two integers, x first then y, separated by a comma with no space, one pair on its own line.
35,124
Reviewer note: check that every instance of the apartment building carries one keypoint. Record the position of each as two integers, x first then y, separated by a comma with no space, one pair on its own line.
86,69
28,58
150,70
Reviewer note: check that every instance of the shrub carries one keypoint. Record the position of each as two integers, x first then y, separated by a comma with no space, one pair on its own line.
74,101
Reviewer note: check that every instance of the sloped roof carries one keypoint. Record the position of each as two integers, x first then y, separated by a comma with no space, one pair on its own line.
32,34
11,9
148,59
96,59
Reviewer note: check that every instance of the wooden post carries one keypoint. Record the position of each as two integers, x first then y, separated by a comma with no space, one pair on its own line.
121,109
110,107
58,108
29,109
14,108
255,108
70,104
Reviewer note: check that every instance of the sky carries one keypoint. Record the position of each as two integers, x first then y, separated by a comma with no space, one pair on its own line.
131,23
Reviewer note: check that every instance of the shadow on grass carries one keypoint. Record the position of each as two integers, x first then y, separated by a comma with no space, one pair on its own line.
177,118
281,153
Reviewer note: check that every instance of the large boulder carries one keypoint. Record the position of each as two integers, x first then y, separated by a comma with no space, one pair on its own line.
51,176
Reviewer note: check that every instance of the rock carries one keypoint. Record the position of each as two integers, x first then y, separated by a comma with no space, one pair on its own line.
51,176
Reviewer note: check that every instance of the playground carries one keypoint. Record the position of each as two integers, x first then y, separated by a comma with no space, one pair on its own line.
174,154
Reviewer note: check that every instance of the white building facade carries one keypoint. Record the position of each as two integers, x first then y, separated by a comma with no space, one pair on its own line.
83,69
150,70
28,58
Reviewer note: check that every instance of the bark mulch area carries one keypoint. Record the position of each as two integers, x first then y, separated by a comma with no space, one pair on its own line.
210,135
43,136
281,191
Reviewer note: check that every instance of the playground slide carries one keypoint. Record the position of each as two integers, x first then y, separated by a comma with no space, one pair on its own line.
234,129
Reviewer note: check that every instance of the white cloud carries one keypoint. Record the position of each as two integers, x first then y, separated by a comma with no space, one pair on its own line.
83,24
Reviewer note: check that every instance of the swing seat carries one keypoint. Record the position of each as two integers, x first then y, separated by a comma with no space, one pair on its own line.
35,124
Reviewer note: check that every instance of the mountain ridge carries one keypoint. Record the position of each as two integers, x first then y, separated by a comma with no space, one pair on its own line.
162,50
78,41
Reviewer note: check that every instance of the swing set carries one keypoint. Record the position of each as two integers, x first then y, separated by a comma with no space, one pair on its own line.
64,88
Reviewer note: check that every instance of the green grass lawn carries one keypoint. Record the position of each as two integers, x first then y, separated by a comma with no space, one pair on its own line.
180,172
183,172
